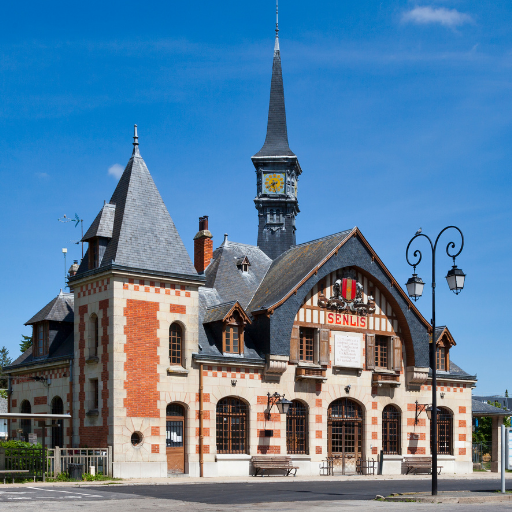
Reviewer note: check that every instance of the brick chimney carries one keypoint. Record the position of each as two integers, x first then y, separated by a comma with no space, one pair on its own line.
203,246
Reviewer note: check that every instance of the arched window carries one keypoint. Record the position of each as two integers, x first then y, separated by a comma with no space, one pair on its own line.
233,335
57,432
232,426
391,437
444,432
297,428
175,344
26,424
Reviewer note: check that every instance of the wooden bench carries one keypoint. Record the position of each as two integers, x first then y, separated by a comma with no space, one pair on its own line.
413,464
265,463
13,472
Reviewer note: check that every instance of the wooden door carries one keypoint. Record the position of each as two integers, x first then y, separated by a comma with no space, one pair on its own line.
345,435
175,438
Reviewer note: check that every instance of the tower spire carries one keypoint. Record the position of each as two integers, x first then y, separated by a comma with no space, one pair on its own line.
276,46
135,142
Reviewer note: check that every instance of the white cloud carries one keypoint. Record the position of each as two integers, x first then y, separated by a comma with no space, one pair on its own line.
116,170
446,17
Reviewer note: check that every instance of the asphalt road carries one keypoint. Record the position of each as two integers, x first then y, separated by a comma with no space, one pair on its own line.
288,490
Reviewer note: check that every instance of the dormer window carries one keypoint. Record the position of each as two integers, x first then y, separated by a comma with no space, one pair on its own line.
243,264
93,253
41,334
441,358
444,342
233,335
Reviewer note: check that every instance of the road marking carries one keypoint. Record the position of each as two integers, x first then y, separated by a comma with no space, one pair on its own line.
67,492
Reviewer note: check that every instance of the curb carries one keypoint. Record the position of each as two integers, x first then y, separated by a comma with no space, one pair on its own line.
414,498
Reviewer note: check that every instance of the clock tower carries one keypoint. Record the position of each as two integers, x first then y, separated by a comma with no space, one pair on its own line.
277,173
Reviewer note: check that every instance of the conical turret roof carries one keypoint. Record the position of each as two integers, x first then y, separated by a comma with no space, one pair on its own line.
276,141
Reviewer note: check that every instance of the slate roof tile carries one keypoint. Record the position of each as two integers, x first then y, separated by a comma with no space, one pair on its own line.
59,309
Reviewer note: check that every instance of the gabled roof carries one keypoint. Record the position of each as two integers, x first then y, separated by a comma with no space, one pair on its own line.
220,312
143,234
485,409
103,223
59,309
276,141
229,281
291,267
443,331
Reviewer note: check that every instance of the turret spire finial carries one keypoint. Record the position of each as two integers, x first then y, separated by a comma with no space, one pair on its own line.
135,142
277,18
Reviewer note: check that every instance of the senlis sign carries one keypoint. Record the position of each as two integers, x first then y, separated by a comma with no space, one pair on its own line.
344,320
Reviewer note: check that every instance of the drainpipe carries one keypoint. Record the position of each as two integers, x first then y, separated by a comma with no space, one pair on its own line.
201,461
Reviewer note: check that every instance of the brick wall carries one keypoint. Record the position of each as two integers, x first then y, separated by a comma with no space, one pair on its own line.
141,359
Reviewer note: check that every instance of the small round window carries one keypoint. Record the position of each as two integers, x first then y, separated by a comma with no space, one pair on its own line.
136,438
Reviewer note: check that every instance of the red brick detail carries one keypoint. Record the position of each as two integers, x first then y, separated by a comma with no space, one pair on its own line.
125,286
276,450
177,293
141,359
416,450
375,435
206,397
97,435
206,432
318,402
462,451
318,418
155,431
261,416
462,410
375,420
462,437
318,434
206,448
462,423
262,400
318,450
14,402
176,308
206,415
187,294
411,407
374,405
374,450
155,448
422,422
40,400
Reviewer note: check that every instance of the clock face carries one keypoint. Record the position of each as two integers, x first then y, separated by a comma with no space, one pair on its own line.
273,183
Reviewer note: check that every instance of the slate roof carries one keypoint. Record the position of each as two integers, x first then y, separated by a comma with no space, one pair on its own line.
276,141
225,276
210,339
291,267
103,223
59,309
485,409
144,235
217,312
456,372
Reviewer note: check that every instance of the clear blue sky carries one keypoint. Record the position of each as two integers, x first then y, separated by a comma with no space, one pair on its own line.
400,113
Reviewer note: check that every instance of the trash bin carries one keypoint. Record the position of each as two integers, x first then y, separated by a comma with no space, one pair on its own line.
75,471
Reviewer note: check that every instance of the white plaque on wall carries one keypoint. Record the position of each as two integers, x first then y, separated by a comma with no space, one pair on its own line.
347,349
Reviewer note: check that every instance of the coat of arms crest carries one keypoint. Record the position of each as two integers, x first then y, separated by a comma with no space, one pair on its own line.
348,297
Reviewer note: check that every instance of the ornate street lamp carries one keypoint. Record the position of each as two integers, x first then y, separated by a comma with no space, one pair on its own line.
455,278
279,401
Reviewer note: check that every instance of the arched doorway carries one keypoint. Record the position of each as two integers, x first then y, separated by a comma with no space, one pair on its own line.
57,432
345,433
175,438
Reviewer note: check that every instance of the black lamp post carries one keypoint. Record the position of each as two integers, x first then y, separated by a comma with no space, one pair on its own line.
279,401
455,279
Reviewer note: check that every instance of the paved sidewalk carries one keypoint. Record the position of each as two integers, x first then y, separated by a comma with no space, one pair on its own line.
451,497
184,480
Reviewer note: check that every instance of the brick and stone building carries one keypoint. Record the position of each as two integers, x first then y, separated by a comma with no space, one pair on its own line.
171,362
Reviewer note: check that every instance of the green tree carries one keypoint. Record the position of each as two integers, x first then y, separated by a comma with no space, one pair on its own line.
5,360
506,393
483,434
25,343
